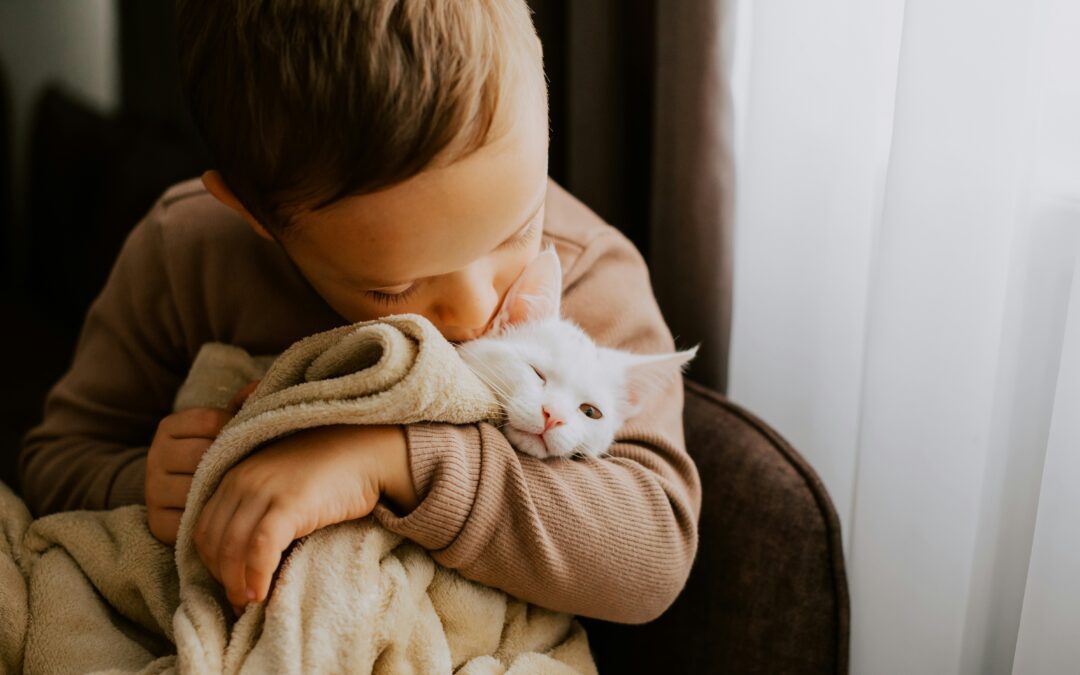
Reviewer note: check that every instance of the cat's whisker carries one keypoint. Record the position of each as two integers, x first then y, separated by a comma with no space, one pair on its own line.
500,386
492,374
493,381
501,391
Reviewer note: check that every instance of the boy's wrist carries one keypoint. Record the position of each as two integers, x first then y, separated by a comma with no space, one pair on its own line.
395,475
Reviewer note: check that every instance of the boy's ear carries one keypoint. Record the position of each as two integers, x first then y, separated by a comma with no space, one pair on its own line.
216,186
536,294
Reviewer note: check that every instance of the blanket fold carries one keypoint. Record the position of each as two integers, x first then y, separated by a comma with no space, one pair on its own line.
94,591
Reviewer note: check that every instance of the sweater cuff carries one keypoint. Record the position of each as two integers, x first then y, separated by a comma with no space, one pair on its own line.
129,484
445,463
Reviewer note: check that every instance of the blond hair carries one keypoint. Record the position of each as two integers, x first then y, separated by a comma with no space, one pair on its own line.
303,102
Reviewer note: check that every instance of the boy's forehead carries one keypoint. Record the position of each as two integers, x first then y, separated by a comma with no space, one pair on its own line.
434,223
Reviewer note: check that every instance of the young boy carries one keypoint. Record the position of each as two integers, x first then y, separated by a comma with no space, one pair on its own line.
373,158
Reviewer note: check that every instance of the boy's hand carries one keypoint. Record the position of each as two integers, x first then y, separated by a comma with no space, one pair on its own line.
290,488
179,443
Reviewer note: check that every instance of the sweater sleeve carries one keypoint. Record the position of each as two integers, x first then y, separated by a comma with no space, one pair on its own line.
612,537
89,451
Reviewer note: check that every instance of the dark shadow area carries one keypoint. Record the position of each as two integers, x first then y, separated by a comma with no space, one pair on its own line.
600,60
90,179
7,215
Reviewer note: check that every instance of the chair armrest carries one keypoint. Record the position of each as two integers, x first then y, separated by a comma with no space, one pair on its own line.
768,589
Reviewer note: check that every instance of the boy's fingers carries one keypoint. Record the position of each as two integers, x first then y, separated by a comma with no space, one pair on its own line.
210,529
239,397
195,423
270,538
165,524
184,455
235,548
168,490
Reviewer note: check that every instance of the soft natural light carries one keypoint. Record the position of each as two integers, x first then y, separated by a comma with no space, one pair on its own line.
906,310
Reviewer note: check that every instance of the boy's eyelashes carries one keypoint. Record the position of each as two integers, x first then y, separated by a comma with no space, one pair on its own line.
392,298
524,237
385,298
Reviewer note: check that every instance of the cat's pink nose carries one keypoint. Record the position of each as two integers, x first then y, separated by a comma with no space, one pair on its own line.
550,420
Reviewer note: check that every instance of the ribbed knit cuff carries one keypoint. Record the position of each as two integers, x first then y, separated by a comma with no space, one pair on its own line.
129,483
445,464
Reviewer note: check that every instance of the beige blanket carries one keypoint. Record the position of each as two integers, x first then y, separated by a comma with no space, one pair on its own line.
90,591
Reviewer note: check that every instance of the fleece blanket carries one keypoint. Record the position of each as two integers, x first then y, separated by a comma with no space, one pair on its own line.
94,591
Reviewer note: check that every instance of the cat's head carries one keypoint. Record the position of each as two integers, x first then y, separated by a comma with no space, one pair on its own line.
562,393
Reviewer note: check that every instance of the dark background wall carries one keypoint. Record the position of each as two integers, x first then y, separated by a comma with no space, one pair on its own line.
600,60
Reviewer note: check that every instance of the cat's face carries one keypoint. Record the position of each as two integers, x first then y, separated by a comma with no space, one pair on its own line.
562,394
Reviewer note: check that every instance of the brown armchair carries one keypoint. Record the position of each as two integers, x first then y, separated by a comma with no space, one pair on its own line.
768,589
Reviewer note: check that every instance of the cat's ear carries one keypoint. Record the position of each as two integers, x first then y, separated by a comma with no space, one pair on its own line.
649,374
536,294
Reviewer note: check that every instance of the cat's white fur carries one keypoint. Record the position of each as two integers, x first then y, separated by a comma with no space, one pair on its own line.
528,335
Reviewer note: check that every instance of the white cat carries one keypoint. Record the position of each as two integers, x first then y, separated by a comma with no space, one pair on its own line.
562,394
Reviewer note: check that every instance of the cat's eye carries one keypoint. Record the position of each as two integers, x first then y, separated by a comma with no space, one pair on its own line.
539,374
591,411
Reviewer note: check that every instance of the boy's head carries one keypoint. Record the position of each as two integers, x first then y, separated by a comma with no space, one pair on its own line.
390,146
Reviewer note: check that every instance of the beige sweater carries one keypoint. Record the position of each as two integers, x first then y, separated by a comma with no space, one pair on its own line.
613,539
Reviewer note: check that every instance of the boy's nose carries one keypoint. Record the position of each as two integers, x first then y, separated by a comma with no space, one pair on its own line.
468,303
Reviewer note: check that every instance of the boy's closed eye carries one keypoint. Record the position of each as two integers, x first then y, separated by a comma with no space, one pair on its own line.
402,292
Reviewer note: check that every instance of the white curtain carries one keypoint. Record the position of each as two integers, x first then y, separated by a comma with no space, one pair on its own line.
907,309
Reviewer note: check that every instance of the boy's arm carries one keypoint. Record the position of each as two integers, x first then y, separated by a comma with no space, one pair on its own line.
89,452
612,538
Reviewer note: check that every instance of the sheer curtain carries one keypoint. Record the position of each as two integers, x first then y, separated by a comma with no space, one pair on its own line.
907,309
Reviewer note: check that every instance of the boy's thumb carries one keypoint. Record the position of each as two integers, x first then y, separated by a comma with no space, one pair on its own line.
240,396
